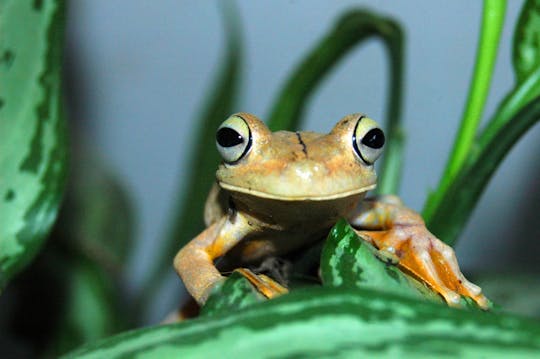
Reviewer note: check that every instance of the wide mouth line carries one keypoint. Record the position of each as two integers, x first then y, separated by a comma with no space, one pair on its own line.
268,195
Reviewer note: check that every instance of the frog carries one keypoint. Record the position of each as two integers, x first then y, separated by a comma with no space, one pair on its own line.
277,192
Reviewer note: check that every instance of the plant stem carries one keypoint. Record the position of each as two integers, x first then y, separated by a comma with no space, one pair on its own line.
464,192
522,95
486,55
390,170
492,22
350,31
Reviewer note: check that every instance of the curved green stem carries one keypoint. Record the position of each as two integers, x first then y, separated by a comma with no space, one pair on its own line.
492,22
351,30
390,170
523,94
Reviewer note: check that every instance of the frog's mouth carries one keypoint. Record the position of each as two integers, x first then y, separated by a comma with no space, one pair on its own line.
297,197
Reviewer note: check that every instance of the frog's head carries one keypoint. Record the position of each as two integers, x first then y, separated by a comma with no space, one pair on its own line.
297,166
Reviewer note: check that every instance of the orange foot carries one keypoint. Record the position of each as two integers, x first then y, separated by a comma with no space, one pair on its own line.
427,258
264,284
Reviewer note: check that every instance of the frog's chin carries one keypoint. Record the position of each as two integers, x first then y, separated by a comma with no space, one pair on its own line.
297,197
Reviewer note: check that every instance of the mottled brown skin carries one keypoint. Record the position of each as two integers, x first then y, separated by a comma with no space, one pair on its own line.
288,190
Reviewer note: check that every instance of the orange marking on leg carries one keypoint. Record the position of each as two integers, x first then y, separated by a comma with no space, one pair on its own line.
264,284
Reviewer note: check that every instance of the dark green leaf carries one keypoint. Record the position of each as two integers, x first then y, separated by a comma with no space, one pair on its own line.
460,198
347,260
32,128
96,220
93,307
492,23
92,240
523,94
526,46
326,322
187,220
235,293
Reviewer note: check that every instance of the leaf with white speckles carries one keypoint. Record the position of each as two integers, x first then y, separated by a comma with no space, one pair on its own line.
234,294
331,322
32,128
349,261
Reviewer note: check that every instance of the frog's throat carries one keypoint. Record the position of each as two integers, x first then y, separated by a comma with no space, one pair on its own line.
299,197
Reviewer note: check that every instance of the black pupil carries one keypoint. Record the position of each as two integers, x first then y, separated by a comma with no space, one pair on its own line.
374,138
227,137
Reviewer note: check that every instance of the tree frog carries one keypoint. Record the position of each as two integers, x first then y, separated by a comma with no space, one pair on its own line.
279,191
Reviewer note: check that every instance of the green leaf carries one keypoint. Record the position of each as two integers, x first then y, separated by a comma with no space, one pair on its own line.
326,322
460,198
350,30
92,309
446,212
518,98
486,55
349,261
235,293
92,240
82,263
32,128
96,220
526,46
187,220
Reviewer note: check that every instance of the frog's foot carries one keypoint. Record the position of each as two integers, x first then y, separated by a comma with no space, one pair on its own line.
264,284
427,258
388,256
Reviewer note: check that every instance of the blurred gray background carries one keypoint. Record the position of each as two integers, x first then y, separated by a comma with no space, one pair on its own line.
141,71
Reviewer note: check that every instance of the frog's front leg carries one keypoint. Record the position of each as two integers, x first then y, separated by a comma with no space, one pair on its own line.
398,230
194,263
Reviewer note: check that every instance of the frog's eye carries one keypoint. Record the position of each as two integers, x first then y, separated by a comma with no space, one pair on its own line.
233,139
368,140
